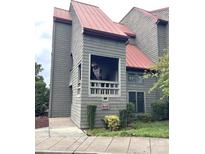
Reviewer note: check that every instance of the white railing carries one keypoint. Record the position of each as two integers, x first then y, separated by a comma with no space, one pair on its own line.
104,88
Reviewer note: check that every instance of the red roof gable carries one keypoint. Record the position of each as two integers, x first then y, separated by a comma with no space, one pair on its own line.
93,18
135,58
62,14
125,29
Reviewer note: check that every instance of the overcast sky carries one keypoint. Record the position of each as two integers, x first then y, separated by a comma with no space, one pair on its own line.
115,9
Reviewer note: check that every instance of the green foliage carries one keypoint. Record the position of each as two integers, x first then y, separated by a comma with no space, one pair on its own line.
123,118
160,71
144,117
126,115
138,128
41,92
91,110
160,110
130,109
112,121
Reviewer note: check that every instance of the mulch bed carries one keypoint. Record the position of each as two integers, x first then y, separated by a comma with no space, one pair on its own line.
41,121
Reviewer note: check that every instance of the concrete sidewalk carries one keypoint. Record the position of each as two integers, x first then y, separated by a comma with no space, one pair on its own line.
66,138
99,145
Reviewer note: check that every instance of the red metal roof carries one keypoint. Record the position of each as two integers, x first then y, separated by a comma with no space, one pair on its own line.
135,58
146,13
125,29
62,14
92,17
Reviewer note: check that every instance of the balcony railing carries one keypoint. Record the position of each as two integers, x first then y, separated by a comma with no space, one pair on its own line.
104,88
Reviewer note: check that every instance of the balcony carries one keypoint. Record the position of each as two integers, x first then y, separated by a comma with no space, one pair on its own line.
104,88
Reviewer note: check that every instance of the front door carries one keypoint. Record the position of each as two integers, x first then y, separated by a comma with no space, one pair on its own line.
137,98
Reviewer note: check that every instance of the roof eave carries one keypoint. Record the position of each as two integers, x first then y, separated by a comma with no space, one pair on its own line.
137,68
103,34
62,20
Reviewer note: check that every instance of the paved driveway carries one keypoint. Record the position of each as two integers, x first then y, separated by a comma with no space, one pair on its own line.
66,138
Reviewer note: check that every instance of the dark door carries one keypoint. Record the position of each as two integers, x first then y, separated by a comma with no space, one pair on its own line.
132,98
140,102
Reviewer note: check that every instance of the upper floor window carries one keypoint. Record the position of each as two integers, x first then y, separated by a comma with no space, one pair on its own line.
135,78
104,77
104,68
131,77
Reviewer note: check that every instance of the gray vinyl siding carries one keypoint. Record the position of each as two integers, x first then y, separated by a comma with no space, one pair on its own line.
107,48
60,97
149,97
163,37
145,29
76,49
162,14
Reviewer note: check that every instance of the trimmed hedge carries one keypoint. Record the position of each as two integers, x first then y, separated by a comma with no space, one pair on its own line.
123,118
144,117
91,110
126,115
130,109
160,111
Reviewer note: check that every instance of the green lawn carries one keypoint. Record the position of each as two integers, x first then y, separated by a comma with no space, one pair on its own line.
151,129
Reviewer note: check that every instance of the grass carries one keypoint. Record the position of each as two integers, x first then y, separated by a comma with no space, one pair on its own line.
152,129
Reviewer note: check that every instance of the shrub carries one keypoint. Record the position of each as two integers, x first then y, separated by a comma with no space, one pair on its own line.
91,110
123,118
130,110
126,115
144,117
160,110
112,122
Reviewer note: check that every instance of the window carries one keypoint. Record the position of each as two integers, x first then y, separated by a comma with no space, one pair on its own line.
104,68
79,79
131,77
139,79
71,62
104,77
140,102
135,78
137,98
79,72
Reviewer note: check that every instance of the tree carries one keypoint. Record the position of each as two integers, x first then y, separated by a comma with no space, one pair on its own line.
41,92
160,71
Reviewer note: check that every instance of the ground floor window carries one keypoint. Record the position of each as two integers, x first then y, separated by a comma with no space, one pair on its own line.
138,99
